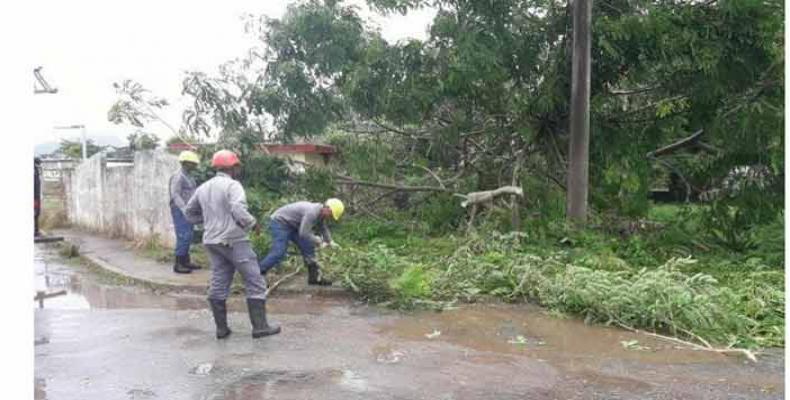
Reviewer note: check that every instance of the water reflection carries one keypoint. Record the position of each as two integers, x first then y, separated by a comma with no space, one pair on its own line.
53,283
84,290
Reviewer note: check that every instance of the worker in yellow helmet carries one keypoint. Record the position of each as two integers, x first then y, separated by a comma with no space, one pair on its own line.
295,222
182,187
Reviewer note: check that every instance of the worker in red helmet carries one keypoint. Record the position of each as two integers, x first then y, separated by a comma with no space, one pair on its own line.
220,204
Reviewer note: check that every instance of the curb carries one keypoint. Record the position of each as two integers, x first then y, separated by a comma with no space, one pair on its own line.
286,289
114,270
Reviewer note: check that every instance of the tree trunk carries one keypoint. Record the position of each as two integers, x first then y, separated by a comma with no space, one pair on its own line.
578,168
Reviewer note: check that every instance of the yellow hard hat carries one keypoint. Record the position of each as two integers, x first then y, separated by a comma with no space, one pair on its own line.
188,156
337,208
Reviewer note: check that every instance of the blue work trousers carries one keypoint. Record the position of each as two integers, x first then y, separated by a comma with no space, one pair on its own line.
184,231
281,235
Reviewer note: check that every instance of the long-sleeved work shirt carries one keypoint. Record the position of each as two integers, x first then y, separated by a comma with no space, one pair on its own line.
36,185
220,204
182,187
303,215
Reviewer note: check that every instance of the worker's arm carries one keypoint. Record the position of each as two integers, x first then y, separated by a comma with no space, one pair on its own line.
193,211
306,227
325,232
175,192
238,207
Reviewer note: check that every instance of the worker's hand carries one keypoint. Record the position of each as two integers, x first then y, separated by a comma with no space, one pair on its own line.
334,245
323,245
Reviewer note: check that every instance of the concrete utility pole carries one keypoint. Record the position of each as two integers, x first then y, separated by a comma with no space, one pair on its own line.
84,138
578,168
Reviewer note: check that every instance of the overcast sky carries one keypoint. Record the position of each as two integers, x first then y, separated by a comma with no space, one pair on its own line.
85,47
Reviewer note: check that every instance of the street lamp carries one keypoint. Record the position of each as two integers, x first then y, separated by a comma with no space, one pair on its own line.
84,140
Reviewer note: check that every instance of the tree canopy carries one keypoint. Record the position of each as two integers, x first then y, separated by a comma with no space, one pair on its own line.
490,87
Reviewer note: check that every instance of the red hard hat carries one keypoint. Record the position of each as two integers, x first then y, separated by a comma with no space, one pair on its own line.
224,159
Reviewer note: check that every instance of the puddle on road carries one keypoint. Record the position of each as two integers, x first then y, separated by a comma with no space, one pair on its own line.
385,354
85,291
502,335
293,385
526,330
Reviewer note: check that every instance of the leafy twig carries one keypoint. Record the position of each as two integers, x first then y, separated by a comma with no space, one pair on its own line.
749,354
281,280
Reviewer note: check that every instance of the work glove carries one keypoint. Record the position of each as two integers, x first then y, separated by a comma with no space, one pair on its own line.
334,245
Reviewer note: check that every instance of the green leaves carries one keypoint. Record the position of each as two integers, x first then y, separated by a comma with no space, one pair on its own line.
413,283
492,80
671,297
73,148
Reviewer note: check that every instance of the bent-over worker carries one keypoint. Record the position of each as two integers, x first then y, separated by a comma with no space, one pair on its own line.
294,222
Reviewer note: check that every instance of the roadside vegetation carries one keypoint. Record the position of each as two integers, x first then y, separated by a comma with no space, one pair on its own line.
679,279
684,234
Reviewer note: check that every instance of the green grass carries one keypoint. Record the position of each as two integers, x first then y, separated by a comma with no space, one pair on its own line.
53,214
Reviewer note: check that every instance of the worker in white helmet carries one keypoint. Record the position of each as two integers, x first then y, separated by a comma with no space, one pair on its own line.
182,187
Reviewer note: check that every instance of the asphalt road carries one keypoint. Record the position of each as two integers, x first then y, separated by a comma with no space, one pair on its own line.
102,341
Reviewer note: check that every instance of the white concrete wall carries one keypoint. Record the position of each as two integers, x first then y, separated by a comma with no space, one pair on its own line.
129,201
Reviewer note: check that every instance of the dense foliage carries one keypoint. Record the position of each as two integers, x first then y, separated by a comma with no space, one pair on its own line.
488,90
685,94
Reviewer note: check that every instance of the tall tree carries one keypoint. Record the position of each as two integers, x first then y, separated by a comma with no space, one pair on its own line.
73,148
138,107
491,84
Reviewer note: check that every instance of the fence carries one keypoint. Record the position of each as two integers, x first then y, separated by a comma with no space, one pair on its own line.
123,199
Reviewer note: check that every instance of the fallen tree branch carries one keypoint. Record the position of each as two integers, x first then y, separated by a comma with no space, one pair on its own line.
432,174
380,197
474,198
749,354
281,280
626,92
412,135
685,142
345,180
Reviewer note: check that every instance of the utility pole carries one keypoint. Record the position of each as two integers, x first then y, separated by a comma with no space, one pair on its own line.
578,168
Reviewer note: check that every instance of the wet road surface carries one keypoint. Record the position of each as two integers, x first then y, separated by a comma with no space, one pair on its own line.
102,341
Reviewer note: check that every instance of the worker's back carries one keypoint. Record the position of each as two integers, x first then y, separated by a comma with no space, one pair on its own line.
224,210
292,214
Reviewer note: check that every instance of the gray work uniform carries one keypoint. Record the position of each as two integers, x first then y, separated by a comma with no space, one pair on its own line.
221,205
303,215
182,187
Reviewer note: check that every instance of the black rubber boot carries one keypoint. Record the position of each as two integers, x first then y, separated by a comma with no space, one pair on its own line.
260,328
220,312
313,278
188,263
180,266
